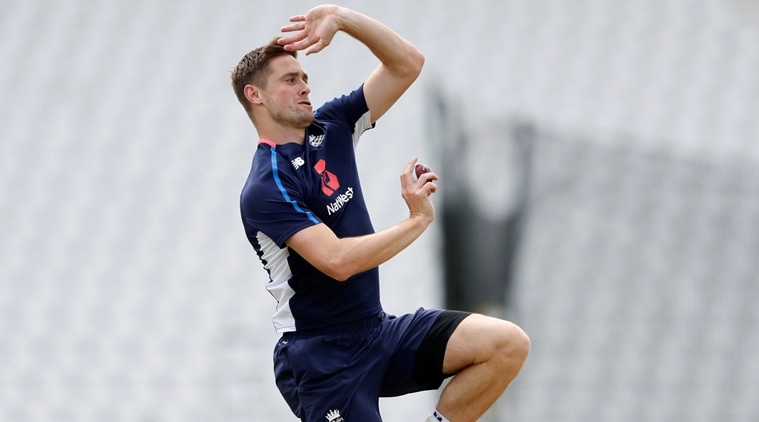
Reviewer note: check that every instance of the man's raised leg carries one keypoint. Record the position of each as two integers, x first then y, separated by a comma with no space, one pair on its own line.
485,354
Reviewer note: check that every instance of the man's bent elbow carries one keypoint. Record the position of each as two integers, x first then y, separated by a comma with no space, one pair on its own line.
342,270
418,58
341,276
416,62
410,67
339,270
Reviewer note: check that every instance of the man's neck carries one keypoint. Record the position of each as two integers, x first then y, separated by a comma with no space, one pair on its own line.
283,135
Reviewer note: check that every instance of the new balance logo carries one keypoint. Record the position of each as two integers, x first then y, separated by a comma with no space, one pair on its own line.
297,162
334,416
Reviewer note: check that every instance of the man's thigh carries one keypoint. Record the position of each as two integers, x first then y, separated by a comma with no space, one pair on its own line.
417,342
476,339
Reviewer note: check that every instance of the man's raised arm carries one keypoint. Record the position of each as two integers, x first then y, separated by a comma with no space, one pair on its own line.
400,61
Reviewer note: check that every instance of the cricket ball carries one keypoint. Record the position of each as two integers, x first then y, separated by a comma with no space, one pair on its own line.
420,169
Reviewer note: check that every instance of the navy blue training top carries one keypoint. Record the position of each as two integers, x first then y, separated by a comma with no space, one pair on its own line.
294,186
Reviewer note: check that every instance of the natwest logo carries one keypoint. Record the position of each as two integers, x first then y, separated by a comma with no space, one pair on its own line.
329,180
341,200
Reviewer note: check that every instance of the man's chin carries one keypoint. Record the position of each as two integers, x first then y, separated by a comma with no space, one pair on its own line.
307,122
300,121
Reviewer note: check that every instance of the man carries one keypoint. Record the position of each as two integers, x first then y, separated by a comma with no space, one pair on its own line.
304,213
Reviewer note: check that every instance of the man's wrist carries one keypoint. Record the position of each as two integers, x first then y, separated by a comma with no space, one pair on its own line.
420,218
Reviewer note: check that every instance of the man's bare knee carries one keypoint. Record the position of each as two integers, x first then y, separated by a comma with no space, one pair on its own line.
485,354
513,344
481,339
504,339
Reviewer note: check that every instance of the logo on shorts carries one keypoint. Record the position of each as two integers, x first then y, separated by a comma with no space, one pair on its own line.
334,416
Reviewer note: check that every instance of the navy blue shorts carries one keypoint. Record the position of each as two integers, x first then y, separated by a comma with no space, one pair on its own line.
338,374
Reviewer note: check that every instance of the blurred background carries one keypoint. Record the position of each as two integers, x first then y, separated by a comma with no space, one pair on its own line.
599,168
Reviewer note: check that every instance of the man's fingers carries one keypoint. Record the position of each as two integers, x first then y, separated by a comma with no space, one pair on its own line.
410,165
407,175
429,188
298,41
293,27
291,39
315,47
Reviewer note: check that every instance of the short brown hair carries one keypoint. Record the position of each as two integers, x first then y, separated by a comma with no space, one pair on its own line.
252,69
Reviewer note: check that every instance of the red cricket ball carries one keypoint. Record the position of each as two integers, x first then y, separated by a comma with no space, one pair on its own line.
420,169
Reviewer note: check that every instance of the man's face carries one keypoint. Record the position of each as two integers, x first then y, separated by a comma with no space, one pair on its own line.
286,93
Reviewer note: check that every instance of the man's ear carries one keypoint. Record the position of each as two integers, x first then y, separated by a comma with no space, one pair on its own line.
253,94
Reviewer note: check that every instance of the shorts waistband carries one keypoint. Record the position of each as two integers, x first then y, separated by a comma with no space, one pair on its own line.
353,327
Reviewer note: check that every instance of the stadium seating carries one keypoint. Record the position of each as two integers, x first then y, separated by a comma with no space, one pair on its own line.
128,291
